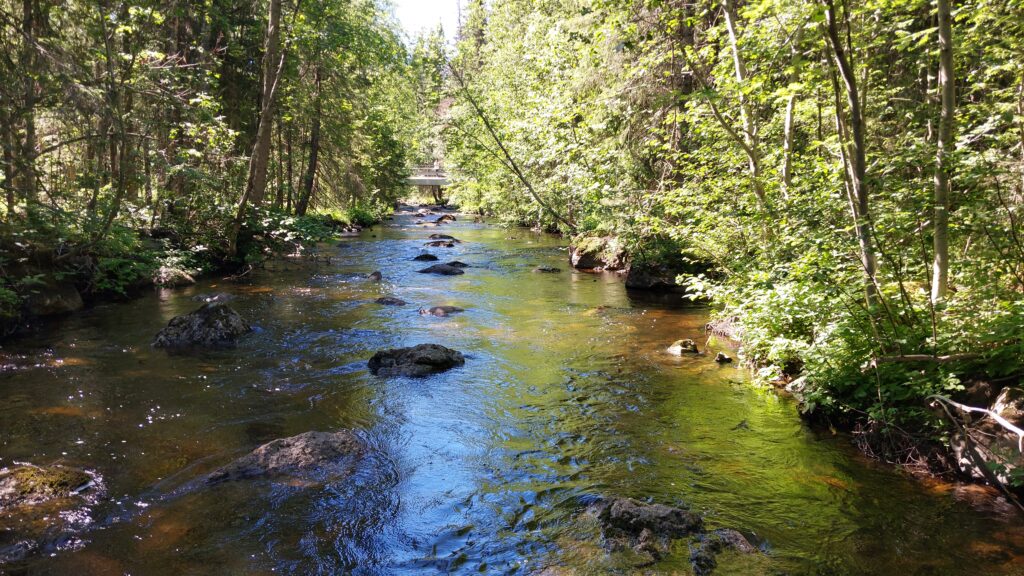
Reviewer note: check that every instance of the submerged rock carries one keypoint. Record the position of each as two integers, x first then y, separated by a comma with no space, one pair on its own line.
703,556
375,276
631,517
442,269
441,244
417,361
214,325
441,311
685,346
457,264
302,454
26,484
547,269
390,301
445,218
426,258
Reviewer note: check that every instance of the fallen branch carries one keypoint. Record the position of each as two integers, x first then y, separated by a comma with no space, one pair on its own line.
909,358
993,415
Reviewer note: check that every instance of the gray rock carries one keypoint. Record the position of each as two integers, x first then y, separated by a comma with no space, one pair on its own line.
418,361
213,325
593,253
441,311
457,264
631,517
654,278
444,237
440,244
426,258
442,269
302,454
390,301
445,218
703,556
170,277
54,298
375,276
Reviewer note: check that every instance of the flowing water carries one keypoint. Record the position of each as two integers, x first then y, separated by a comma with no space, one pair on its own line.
566,394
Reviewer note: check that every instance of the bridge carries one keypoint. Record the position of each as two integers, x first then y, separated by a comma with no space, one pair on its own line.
428,175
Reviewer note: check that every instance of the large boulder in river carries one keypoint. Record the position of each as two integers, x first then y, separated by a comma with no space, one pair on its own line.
53,298
214,325
442,269
390,301
309,452
43,509
652,277
632,517
425,257
172,277
26,484
597,253
418,361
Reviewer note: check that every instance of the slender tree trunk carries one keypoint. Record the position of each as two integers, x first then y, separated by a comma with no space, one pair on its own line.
29,62
857,157
291,167
256,184
947,87
309,181
279,171
750,132
7,142
789,127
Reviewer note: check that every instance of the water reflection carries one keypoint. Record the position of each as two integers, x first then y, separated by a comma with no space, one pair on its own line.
566,394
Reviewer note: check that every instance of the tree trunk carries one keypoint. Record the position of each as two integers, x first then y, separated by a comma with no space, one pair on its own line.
7,142
27,157
750,135
789,127
947,87
256,184
309,181
291,168
857,157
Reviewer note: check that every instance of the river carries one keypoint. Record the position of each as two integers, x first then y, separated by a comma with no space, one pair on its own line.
566,394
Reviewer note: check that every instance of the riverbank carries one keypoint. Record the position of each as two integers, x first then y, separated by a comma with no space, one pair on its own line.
566,394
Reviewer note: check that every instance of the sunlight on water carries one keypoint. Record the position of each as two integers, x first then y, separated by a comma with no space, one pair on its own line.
566,394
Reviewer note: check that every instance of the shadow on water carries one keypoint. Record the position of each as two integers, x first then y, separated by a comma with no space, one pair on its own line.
566,394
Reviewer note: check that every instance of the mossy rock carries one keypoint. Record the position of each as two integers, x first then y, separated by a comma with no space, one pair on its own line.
28,484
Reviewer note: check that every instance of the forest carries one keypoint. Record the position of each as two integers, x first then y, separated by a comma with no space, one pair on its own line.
832,189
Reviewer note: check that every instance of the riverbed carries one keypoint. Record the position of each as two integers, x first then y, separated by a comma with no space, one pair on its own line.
567,394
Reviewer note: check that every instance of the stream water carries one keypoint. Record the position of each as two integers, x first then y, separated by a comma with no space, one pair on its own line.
566,394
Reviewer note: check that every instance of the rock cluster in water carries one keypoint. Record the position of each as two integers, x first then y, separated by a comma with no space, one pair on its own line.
649,528
442,270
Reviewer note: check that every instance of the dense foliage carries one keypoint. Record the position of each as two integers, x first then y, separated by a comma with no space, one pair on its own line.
144,133
852,172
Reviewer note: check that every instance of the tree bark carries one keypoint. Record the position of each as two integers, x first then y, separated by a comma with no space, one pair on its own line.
947,87
309,181
857,157
256,184
750,132
29,63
